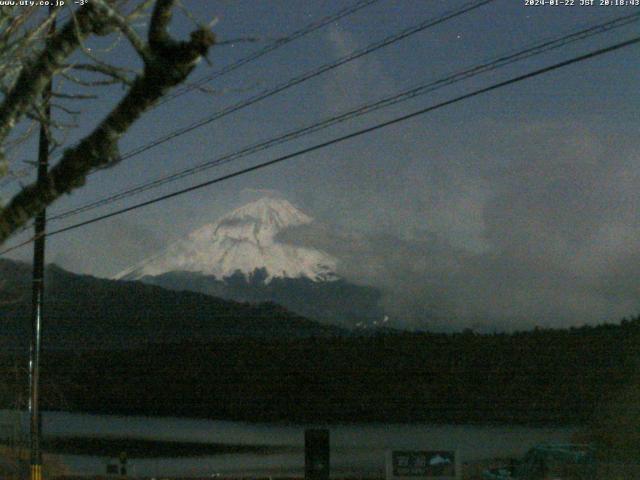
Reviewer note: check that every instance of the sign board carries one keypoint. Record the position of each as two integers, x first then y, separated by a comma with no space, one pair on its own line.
423,464
316,454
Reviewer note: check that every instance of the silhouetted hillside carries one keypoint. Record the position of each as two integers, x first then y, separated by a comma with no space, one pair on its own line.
538,377
87,312
336,301
136,348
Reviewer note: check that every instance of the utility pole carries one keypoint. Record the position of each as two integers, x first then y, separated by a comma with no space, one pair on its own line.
38,283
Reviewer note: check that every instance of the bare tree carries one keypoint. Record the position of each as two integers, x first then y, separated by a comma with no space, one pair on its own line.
29,59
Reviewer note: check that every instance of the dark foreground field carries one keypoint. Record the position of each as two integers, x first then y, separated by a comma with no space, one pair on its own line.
585,377
471,471
137,448
555,377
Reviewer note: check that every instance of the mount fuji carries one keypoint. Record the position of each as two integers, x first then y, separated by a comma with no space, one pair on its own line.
243,241
239,257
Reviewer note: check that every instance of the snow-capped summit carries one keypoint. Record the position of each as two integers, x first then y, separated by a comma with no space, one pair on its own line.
243,240
259,222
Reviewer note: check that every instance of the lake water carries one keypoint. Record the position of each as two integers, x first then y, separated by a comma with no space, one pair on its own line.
355,449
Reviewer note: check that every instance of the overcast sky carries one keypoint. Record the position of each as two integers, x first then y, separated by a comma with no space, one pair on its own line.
514,208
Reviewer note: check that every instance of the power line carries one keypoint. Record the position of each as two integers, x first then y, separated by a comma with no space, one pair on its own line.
310,74
428,23
535,49
312,27
358,133
431,22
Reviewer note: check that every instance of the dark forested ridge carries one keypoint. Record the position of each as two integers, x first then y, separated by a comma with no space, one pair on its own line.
337,301
537,377
132,348
87,312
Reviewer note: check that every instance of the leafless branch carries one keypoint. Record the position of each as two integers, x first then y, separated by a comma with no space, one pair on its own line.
168,63
86,83
74,96
36,74
64,109
118,74
12,144
125,27
139,10
233,41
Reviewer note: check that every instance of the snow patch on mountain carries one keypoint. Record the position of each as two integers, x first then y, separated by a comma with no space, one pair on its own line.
243,240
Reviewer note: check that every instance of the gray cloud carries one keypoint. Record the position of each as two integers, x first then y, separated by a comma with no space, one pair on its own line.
429,283
559,228
496,227
351,84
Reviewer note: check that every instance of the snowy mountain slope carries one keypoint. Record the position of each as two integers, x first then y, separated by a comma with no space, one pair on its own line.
243,240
